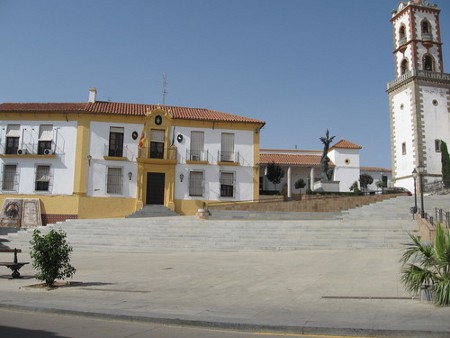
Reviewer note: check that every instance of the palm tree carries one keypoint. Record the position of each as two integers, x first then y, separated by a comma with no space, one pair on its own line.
428,265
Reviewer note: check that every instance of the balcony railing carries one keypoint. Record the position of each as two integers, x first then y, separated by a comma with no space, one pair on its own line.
228,156
197,155
427,37
171,152
119,152
415,73
30,149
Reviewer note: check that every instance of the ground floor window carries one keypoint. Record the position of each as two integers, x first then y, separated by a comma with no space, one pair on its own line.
42,180
196,183
226,184
114,181
9,177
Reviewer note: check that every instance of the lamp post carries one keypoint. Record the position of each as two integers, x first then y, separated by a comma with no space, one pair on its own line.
421,171
414,175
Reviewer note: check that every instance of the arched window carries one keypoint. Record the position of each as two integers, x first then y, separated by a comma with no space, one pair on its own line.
428,63
425,30
404,67
402,35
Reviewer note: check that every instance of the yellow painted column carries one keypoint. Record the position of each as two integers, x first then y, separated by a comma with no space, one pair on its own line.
81,158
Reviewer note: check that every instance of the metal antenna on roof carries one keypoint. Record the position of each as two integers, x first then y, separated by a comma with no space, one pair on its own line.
164,89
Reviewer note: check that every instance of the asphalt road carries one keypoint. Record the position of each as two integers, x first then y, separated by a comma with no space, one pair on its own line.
19,324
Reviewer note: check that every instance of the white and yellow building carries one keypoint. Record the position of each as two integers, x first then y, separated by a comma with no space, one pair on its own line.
105,159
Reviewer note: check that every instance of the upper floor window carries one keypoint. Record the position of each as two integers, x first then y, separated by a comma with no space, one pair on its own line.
12,138
404,67
45,139
425,27
403,148
42,179
428,63
9,177
114,181
227,147
196,183
115,142
197,145
157,144
226,184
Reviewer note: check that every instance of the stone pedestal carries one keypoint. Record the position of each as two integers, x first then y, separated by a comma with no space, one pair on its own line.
21,213
332,186
202,213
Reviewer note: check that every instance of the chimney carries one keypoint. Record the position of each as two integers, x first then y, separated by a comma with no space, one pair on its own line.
92,94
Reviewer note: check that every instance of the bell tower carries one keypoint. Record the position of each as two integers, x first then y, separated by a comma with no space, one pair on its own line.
419,97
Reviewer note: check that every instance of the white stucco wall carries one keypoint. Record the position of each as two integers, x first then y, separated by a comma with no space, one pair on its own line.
98,148
436,123
61,166
243,173
346,169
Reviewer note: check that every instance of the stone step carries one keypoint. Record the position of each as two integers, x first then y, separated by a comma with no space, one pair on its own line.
153,211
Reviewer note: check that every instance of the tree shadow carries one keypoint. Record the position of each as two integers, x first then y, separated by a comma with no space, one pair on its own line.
14,332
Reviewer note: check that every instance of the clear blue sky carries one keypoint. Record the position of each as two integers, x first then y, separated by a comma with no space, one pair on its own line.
300,65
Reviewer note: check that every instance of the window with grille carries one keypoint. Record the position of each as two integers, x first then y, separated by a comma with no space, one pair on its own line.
226,184
114,181
115,142
197,145
45,139
42,181
227,147
196,183
9,177
12,138
157,144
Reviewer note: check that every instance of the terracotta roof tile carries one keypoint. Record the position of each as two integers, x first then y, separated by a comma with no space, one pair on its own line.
377,169
288,159
12,107
344,144
130,109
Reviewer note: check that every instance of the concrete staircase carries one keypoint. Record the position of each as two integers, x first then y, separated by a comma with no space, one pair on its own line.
153,211
381,225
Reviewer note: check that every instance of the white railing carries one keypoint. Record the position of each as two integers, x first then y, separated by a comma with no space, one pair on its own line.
418,73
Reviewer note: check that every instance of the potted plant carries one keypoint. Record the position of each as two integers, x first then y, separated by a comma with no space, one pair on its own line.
426,267
203,212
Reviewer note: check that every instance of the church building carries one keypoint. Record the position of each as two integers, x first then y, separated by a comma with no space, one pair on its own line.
419,96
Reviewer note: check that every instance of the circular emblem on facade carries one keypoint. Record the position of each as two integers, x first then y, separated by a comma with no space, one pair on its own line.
179,138
12,210
158,119
134,135
347,161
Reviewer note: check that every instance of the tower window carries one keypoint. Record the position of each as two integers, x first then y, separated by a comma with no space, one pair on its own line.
404,67
402,35
428,63
437,146
403,148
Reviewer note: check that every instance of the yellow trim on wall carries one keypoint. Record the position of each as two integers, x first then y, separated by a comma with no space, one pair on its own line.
81,157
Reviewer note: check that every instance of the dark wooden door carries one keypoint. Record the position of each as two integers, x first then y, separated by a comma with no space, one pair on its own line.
155,188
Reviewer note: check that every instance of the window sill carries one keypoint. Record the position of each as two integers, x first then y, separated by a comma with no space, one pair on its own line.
114,158
196,162
27,156
229,163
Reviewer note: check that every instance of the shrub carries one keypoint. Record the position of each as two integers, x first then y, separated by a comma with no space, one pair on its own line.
51,256
428,265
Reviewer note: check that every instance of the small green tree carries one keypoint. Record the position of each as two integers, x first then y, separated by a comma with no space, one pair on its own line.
355,188
300,184
445,160
51,256
274,173
365,180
